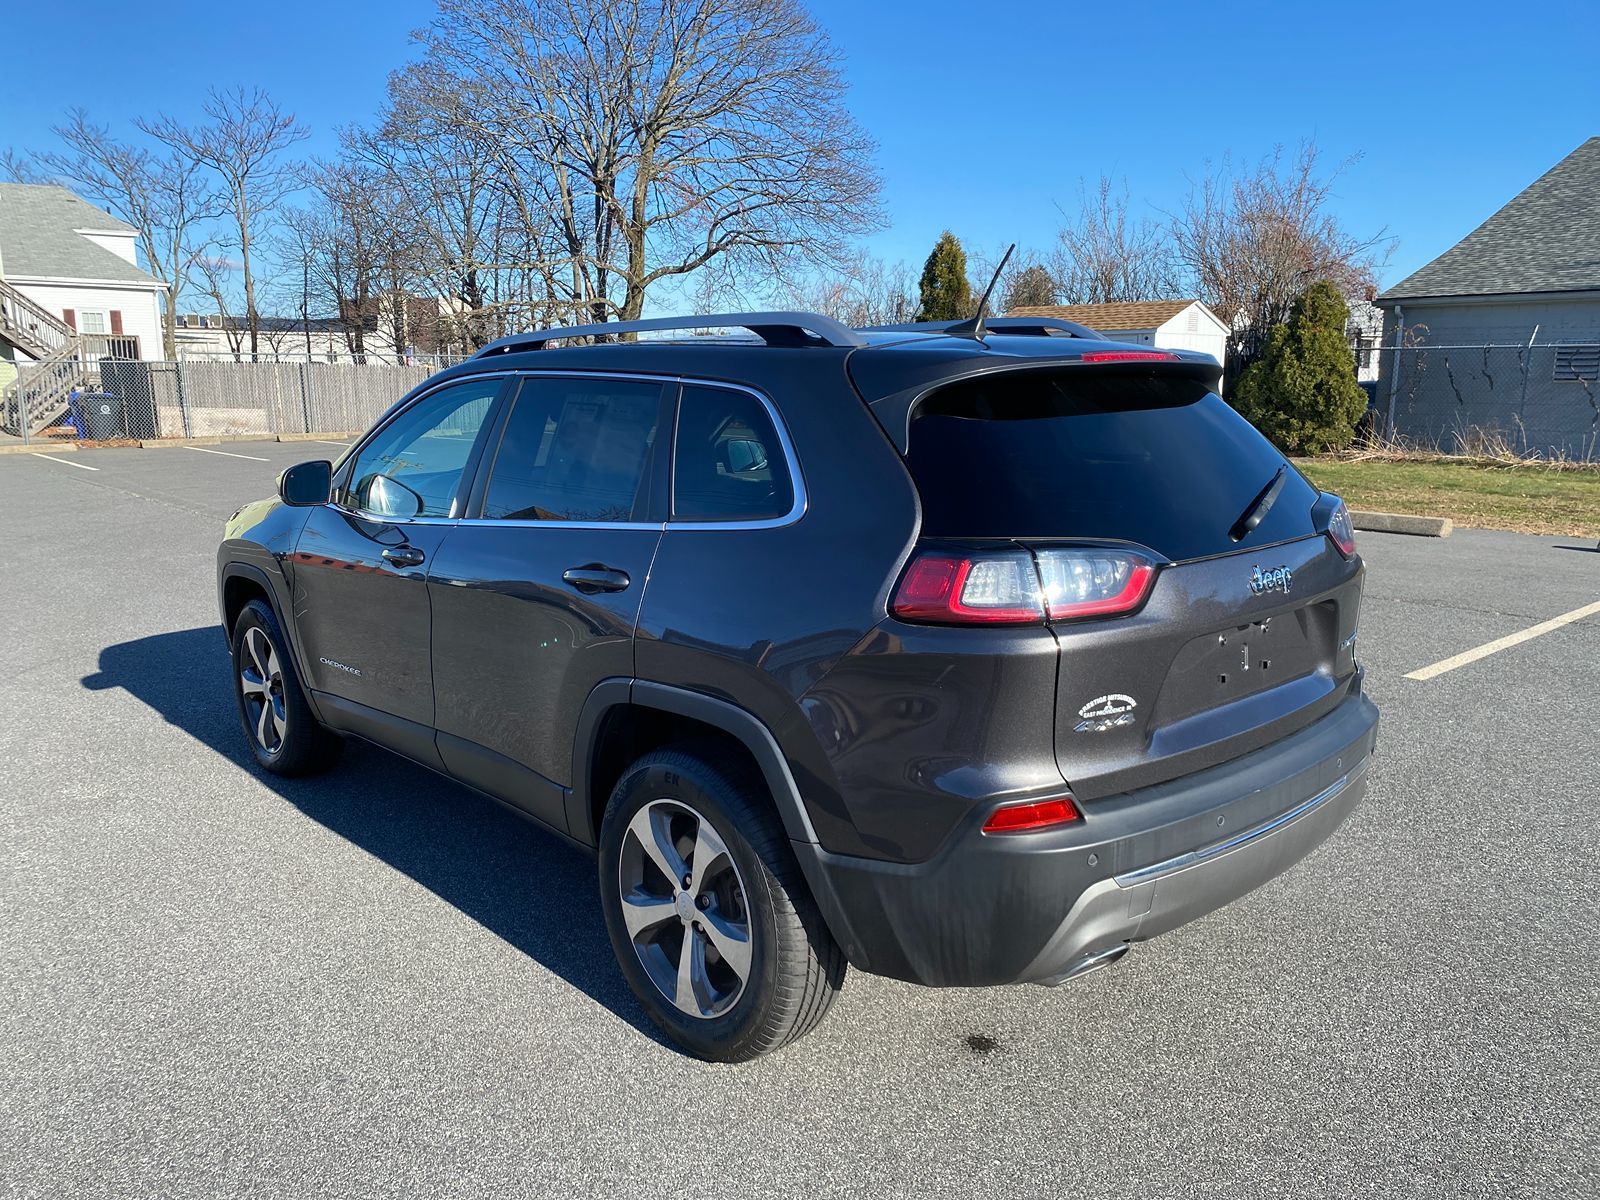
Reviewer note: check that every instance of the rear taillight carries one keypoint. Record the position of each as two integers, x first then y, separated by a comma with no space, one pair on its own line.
1110,356
1015,587
1094,582
1031,815
977,589
1342,530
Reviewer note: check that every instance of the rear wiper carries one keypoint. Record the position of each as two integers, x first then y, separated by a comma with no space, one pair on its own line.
1259,507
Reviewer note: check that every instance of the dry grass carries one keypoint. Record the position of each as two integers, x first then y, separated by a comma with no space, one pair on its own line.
1487,492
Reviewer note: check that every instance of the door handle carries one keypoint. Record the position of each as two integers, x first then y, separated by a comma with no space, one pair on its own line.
596,577
404,556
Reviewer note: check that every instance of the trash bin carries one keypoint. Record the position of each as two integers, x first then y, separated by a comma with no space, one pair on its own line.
101,414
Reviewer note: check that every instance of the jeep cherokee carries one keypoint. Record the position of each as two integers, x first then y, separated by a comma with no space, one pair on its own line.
964,655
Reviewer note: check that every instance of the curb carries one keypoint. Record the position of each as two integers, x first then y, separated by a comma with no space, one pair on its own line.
1382,522
317,437
37,447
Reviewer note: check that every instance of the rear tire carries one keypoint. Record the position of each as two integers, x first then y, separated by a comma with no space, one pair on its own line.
284,735
763,968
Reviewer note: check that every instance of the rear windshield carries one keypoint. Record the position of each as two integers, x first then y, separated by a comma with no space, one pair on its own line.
1097,453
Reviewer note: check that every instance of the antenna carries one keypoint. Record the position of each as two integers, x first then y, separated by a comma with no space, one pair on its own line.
974,328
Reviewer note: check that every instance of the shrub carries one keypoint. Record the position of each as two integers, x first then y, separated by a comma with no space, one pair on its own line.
1302,391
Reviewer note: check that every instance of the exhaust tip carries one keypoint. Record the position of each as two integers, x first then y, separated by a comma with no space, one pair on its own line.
1093,961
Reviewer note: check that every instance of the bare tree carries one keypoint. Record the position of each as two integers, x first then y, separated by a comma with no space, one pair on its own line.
1252,241
1104,255
863,291
17,167
163,196
212,273
657,136
243,145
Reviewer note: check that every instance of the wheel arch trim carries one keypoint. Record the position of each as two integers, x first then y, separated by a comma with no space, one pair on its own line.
729,718
256,575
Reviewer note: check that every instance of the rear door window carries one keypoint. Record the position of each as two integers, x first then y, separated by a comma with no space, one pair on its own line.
728,464
1104,453
576,449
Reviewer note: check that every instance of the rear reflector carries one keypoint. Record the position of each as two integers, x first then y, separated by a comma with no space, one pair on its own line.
1109,356
1032,815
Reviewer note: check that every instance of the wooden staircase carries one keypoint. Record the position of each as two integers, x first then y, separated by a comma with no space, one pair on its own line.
33,402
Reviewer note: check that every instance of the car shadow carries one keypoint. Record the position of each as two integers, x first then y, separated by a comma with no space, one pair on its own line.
524,885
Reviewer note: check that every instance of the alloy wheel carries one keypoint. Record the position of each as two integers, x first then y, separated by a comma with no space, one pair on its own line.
684,906
261,682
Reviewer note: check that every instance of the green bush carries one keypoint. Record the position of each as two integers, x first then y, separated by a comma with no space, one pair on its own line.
1302,391
945,293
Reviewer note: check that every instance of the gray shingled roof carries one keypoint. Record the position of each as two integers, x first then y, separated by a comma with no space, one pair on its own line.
1547,239
37,238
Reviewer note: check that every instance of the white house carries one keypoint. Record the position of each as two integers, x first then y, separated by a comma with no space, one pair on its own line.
1164,324
78,264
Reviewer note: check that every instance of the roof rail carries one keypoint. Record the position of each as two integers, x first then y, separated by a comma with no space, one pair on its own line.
773,328
1034,326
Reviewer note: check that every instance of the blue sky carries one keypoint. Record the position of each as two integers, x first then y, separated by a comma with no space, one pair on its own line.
984,125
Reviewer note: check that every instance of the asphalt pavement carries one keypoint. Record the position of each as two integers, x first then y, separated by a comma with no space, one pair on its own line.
214,983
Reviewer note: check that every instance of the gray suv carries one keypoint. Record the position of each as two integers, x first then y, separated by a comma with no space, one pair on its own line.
966,655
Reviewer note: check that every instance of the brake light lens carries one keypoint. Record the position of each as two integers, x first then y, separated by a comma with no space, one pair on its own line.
1093,582
1031,815
977,589
1015,587
1111,356
1342,530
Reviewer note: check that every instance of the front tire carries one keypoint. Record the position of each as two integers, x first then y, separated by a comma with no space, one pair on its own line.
710,919
284,735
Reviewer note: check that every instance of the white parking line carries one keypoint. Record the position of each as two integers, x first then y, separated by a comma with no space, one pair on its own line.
320,442
224,453
64,462
1505,643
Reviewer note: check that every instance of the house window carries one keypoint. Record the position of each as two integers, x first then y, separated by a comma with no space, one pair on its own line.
91,321
1575,363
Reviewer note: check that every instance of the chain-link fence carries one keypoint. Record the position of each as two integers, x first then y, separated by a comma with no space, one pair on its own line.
1533,399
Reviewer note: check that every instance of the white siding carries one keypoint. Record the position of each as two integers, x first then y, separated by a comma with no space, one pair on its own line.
1194,329
123,245
141,316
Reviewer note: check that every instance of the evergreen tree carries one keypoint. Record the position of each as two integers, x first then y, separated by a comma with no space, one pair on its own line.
946,295
1302,391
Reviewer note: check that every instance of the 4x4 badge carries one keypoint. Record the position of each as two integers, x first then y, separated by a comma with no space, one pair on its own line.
1273,579
1106,712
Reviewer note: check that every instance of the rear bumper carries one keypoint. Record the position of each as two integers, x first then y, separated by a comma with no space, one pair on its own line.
1041,907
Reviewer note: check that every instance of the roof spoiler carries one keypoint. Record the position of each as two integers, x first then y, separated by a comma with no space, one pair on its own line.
773,328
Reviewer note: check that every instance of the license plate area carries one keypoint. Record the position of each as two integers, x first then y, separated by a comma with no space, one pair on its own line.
1249,657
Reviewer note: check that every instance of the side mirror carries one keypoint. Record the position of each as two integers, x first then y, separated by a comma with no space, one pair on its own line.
306,484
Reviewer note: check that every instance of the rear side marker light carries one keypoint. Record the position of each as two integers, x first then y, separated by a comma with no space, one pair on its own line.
1111,356
1031,815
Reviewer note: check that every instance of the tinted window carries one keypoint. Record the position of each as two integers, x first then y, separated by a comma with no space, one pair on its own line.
576,450
414,464
1108,454
728,464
